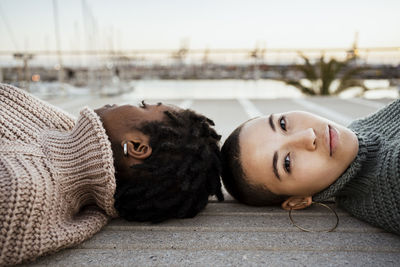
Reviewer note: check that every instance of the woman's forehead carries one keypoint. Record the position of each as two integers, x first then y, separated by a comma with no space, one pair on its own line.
252,125
256,142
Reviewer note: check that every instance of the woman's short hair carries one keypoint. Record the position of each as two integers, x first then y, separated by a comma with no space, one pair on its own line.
235,180
181,173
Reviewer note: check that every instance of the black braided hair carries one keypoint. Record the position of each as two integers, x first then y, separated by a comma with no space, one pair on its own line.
179,176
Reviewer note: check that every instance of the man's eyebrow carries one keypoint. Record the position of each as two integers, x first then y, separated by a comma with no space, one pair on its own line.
271,122
274,163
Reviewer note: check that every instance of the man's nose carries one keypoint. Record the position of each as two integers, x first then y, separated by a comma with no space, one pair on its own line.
304,139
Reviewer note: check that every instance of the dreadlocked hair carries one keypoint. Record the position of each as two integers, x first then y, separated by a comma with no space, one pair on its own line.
179,176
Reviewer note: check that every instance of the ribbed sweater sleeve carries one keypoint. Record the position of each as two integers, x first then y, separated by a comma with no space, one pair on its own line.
56,190
82,163
24,116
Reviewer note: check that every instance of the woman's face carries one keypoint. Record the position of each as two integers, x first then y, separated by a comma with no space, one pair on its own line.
295,153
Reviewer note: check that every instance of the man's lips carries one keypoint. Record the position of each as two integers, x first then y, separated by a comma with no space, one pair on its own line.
333,140
109,105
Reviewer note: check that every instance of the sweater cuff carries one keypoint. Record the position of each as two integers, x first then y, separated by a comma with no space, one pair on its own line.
83,163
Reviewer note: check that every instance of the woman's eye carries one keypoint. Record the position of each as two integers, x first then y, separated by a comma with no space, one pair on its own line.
282,123
286,163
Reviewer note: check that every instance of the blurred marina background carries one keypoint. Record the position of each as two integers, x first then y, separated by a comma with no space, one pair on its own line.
198,50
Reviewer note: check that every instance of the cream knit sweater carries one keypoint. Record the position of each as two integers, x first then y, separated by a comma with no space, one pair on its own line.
57,179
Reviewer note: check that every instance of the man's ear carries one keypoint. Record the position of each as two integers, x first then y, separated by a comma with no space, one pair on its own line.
137,148
296,203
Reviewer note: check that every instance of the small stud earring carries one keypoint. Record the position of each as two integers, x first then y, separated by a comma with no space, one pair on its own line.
125,149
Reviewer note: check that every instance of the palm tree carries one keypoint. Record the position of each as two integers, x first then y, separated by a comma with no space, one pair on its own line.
323,73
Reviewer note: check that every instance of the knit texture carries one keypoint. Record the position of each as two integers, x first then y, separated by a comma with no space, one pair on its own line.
57,179
370,187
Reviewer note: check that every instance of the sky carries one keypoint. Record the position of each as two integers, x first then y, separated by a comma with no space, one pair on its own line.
212,24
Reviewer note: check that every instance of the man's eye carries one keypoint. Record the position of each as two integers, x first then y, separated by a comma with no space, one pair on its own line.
282,123
142,104
286,163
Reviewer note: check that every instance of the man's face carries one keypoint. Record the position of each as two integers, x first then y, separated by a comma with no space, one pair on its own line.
118,120
295,153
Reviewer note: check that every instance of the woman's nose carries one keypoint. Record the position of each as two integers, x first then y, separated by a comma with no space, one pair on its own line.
304,139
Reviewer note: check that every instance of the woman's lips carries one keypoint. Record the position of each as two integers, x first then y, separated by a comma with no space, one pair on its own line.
333,140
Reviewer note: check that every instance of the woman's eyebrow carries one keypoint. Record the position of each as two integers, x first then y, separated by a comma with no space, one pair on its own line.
274,163
275,158
271,122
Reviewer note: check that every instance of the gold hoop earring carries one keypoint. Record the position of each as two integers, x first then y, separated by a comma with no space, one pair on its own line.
307,230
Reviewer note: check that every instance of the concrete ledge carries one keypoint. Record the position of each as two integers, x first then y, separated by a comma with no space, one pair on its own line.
231,234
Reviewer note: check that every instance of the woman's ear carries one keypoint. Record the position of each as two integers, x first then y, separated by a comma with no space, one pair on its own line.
296,203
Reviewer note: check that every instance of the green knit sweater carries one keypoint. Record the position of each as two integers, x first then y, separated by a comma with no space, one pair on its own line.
370,187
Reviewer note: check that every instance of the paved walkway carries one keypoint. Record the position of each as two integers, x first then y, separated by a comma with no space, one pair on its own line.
232,234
